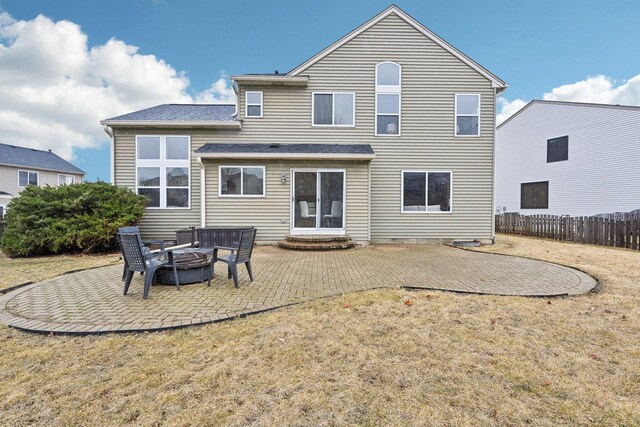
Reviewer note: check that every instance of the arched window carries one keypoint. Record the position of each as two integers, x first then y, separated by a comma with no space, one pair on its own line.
388,94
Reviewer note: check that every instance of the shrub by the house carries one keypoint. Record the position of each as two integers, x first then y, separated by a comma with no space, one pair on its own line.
71,218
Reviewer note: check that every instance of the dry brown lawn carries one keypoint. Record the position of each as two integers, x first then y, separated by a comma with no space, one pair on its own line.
15,271
387,357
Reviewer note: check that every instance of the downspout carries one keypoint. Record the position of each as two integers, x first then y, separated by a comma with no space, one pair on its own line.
236,90
493,174
109,132
203,205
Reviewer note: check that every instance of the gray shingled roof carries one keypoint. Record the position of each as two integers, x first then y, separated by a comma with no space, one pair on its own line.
286,148
182,113
35,159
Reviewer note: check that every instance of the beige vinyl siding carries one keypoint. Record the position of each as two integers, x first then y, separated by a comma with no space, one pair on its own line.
430,79
9,178
271,214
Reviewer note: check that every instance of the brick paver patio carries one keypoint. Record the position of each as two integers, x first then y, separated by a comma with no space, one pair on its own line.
91,301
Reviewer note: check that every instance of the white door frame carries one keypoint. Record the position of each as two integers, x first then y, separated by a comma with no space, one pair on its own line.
317,229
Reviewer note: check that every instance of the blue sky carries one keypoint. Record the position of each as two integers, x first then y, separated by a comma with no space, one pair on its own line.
535,46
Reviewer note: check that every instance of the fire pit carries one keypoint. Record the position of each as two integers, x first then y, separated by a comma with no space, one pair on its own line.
193,267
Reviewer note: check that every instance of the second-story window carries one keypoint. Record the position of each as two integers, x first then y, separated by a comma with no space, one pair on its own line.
333,109
27,178
66,179
388,94
467,114
253,101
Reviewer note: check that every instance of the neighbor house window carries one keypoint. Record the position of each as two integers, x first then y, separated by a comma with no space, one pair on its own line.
388,92
163,170
27,178
253,101
558,149
3,209
467,108
425,191
334,109
534,195
66,179
241,181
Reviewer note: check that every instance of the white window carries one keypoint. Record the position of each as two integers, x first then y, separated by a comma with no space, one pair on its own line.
333,109
388,98
467,107
27,178
163,170
66,179
426,191
253,101
241,181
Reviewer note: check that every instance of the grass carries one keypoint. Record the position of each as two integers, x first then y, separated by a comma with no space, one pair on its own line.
16,271
387,357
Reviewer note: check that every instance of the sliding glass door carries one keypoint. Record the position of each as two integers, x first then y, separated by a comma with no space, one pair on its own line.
318,201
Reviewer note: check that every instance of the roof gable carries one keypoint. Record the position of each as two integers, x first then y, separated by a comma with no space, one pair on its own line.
496,81
11,155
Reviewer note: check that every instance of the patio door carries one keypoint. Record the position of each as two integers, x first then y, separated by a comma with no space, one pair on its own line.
317,201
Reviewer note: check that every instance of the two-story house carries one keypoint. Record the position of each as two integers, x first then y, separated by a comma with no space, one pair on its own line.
21,166
569,158
386,135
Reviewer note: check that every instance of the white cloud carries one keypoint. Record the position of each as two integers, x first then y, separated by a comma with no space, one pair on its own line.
218,93
598,89
54,89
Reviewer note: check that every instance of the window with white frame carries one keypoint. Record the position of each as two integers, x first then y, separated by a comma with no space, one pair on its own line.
467,114
253,101
3,210
334,109
241,181
426,191
163,170
388,97
66,179
27,178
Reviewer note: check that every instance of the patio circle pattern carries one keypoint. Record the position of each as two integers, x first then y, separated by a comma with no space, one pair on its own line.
91,301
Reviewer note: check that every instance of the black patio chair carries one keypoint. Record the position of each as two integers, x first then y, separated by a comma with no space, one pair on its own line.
145,243
241,254
137,260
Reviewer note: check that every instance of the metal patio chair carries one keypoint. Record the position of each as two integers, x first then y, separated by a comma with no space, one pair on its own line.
137,260
145,243
241,254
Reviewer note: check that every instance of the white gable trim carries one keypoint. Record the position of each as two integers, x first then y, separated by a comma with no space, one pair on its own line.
496,82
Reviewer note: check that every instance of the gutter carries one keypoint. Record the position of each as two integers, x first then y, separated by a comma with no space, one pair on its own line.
109,132
165,123
203,205
295,156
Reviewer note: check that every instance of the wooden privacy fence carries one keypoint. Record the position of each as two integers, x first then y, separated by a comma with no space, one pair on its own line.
618,232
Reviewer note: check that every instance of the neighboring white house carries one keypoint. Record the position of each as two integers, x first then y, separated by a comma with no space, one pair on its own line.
569,158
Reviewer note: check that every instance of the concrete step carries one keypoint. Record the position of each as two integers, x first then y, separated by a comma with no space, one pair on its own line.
316,246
